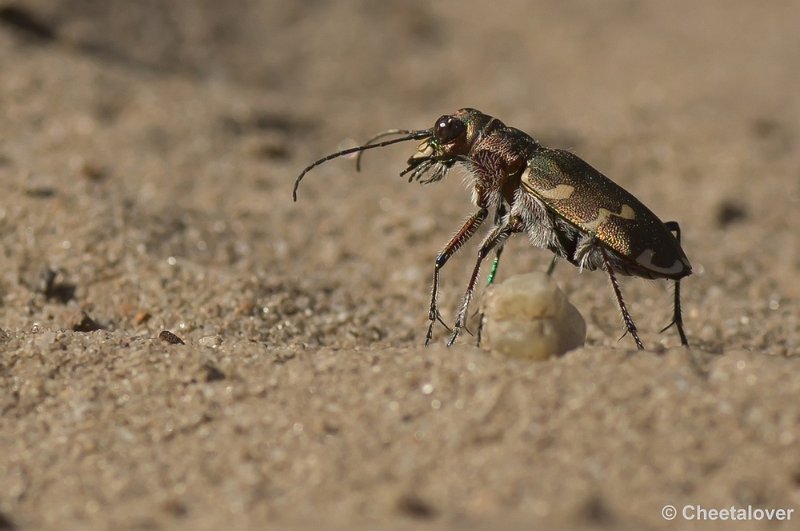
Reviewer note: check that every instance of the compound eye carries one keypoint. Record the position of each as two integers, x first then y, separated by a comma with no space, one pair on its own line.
448,129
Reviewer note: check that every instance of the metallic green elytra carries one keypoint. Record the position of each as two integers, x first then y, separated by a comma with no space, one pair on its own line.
562,203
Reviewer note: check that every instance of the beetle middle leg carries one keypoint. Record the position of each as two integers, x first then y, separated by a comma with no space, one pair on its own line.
626,316
496,237
677,318
459,239
499,214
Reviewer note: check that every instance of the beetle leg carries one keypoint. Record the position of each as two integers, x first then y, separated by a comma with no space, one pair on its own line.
492,274
677,318
455,243
498,220
489,282
496,237
629,324
552,266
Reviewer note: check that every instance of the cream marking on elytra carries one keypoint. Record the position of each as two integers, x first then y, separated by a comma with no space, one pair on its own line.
562,191
646,259
626,212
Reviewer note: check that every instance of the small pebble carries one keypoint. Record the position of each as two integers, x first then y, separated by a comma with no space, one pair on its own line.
169,337
529,317
210,341
212,372
80,321
141,317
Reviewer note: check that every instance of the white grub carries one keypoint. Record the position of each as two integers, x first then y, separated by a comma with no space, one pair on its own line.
528,316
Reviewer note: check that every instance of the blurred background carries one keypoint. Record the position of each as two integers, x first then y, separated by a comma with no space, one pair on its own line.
147,155
216,107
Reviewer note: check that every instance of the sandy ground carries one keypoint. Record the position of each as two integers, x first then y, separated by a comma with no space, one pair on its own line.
147,153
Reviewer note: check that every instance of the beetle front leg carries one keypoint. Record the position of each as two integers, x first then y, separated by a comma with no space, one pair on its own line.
456,242
496,237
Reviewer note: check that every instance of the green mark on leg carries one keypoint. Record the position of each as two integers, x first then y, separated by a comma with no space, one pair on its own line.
493,271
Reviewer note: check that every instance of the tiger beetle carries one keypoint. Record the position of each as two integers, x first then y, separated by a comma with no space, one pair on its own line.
561,202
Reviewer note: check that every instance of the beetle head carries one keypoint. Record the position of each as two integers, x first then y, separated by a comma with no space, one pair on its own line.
449,140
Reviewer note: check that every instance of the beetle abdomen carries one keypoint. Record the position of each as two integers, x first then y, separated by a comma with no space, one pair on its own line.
605,212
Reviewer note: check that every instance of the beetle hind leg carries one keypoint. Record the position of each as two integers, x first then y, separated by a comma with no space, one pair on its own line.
626,316
677,318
